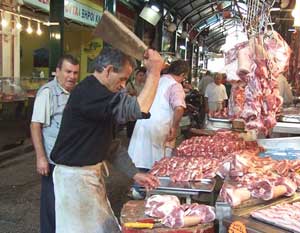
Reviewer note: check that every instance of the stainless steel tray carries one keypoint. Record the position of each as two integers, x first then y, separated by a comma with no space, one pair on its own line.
280,143
287,127
203,185
225,120
290,118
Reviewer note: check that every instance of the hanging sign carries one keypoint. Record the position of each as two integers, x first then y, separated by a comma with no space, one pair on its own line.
79,12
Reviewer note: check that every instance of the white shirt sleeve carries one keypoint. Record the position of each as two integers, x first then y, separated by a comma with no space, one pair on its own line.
41,109
206,94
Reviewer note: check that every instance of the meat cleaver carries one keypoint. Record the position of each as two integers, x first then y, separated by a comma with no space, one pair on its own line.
115,33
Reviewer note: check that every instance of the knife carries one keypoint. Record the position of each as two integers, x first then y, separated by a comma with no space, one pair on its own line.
147,223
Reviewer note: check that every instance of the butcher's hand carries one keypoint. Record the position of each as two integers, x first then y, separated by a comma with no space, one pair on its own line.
42,166
172,134
147,180
153,62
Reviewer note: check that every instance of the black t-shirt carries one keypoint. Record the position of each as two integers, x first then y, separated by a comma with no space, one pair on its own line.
88,121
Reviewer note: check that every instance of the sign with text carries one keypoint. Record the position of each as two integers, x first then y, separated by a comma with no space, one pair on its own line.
74,10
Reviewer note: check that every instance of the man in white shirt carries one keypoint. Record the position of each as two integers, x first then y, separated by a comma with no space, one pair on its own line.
47,113
207,79
215,95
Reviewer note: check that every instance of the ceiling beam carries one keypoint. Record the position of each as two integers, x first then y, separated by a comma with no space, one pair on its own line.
208,3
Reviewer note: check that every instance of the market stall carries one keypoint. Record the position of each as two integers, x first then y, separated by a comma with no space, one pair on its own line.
281,154
256,173
17,97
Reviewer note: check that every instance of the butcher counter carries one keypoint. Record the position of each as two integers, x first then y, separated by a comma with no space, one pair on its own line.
227,214
277,148
134,210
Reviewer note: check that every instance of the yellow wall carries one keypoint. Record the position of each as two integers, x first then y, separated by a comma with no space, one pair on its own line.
29,43
89,51
79,42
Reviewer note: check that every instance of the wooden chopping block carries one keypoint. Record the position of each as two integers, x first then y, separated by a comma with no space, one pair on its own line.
135,209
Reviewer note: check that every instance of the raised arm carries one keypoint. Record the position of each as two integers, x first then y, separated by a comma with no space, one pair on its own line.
154,64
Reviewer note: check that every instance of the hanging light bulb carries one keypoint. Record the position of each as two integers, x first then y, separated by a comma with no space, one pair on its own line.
4,22
29,28
39,31
18,24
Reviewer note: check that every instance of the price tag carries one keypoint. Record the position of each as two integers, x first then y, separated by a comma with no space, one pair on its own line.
237,227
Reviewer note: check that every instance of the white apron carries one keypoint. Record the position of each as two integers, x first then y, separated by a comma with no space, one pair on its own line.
215,106
147,143
81,204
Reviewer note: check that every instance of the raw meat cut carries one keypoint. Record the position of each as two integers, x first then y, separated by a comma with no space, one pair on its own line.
260,61
174,215
160,206
286,216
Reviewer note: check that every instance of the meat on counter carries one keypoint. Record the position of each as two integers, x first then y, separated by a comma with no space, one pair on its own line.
173,215
283,215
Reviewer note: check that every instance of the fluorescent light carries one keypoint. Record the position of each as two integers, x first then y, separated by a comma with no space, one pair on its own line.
155,8
291,29
182,47
57,36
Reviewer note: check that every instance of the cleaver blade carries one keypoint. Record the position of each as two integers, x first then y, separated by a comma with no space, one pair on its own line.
115,33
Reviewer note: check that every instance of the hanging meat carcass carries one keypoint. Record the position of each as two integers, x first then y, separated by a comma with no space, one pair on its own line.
254,95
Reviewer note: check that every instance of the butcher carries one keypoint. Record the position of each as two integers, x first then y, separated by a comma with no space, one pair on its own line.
215,95
94,109
155,137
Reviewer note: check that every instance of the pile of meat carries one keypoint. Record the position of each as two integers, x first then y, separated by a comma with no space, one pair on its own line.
283,215
261,178
180,168
221,114
253,67
203,156
227,155
173,214
217,146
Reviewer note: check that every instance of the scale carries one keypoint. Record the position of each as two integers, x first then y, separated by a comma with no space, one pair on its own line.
185,189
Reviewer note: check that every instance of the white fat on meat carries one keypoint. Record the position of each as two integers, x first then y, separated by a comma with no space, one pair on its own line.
259,64
168,209
159,206
284,215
